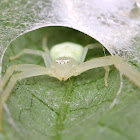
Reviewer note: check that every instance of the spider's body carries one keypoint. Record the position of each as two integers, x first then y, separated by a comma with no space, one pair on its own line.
66,49
65,57
63,61
62,68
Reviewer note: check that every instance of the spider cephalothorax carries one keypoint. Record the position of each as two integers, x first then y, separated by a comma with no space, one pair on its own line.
63,68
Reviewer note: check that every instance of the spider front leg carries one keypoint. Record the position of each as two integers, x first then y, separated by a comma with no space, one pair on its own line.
83,56
126,69
5,93
85,50
12,69
117,61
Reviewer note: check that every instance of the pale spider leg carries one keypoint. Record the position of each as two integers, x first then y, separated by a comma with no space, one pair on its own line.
19,76
34,52
131,73
44,43
83,56
27,51
6,77
11,69
47,52
117,61
107,69
85,50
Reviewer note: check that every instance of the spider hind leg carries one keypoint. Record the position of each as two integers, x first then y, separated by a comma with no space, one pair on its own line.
107,69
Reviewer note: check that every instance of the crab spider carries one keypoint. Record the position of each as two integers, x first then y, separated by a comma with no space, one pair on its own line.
62,61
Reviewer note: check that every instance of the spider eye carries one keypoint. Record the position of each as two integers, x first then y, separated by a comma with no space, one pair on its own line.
62,61
66,61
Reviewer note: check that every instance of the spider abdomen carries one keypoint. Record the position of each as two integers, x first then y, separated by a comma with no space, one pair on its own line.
66,49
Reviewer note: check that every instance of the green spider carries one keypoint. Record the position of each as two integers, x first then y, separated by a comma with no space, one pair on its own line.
62,61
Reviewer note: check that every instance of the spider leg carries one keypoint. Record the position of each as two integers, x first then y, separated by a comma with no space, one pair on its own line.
34,52
85,50
45,48
27,51
44,43
124,68
14,78
15,68
106,75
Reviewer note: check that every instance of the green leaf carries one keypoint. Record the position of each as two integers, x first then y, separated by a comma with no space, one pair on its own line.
43,107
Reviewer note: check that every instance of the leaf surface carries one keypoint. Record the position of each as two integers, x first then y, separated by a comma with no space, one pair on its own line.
43,107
